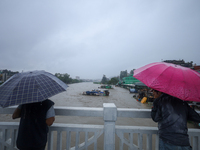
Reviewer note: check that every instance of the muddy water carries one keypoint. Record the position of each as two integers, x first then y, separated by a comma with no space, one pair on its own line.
73,97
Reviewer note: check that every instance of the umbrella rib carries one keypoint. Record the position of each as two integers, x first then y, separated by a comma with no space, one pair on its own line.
184,82
39,81
32,77
46,87
33,87
18,88
24,84
195,86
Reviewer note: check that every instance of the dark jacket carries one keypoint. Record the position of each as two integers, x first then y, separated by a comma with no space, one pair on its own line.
33,128
172,114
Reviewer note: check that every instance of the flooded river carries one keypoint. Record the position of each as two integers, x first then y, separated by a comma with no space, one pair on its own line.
121,97
73,97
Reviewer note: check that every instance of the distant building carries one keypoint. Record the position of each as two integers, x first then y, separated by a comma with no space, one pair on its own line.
77,77
123,74
197,68
130,80
6,74
180,62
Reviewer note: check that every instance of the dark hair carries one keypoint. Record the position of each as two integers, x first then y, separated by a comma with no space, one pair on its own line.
156,91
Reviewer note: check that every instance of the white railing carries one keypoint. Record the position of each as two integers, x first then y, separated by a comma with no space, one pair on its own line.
87,137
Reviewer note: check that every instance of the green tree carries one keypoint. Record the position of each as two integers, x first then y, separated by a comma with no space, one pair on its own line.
104,80
113,81
66,78
76,81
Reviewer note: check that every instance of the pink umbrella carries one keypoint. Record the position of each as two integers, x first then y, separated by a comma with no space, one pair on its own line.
175,80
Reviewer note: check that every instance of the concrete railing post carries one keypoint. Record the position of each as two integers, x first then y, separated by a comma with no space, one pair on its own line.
110,117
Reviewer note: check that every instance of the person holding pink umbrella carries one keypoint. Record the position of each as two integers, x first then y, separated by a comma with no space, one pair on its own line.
172,114
172,87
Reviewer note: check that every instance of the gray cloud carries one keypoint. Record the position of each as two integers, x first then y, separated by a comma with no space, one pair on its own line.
92,38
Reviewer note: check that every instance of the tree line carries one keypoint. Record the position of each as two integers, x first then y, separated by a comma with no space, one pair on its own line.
112,81
66,78
115,80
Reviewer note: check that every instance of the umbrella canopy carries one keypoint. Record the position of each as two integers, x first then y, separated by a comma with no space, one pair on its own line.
29,87
175,80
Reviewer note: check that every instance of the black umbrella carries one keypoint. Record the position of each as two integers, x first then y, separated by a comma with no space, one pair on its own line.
30,87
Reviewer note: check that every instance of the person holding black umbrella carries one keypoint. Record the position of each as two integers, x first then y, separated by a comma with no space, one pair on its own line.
34,122
31,90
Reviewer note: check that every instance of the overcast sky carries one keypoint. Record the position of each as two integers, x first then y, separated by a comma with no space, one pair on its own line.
92,38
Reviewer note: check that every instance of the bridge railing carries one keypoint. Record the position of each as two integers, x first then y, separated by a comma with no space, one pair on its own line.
107,136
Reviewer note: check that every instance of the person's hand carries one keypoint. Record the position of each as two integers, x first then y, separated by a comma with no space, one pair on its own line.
49,121
17,113
156,103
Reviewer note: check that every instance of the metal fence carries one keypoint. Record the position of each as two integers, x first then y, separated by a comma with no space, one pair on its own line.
86,137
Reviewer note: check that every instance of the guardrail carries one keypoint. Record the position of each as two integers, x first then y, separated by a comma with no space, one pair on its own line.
84,136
